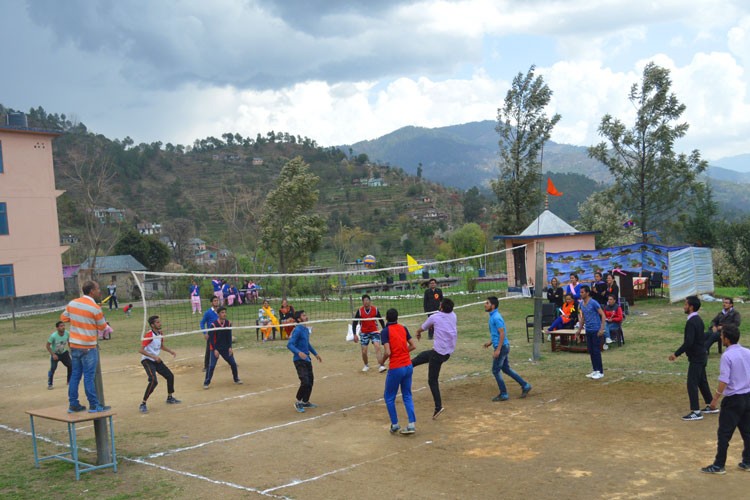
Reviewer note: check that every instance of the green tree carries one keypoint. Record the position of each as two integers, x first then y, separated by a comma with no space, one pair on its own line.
473,203
652,181
598,213
149,251
735,242
469,239
289,228
524,128
700,222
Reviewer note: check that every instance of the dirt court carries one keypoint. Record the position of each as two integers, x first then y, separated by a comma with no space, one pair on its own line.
620,437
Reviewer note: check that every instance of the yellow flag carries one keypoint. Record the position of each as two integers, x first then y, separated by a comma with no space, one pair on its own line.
413,265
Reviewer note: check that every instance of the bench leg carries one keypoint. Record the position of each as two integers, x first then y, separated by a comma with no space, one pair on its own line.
33,438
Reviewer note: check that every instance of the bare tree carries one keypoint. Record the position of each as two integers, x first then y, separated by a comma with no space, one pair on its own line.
179,231
91,175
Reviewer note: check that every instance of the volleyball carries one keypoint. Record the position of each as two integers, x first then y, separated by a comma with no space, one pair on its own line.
369,261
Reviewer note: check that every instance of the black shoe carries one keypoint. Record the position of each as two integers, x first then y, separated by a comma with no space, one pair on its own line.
744,466
708,409
693,415
76,409
714,469
437,413
171,400
143,408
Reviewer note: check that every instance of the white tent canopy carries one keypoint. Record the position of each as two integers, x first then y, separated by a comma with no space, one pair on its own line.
691,272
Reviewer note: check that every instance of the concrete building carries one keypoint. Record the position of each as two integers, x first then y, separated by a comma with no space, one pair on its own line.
30,250
557,236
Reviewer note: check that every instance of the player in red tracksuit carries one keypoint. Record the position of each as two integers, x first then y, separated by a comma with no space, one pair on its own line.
367,317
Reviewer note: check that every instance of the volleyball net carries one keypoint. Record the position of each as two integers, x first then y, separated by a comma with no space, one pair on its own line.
181,299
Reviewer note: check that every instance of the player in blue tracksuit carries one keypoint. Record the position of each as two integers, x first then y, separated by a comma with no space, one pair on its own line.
299,344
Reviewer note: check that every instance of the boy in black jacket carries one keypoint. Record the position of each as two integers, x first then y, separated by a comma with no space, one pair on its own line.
693,345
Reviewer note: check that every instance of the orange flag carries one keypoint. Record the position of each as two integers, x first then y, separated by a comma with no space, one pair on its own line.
551,189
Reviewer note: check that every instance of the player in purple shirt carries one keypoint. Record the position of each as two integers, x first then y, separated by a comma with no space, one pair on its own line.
734,385
443,324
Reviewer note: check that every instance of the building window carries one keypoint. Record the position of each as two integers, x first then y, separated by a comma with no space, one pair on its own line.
3,219
1,157
7,286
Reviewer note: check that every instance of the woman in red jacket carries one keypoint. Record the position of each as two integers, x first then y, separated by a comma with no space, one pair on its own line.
613,313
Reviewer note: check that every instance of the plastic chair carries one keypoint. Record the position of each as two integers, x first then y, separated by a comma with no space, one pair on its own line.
548,316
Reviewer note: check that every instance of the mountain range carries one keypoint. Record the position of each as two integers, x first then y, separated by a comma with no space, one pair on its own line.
466,155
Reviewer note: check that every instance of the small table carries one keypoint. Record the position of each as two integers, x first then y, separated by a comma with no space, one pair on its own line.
60,414
576,341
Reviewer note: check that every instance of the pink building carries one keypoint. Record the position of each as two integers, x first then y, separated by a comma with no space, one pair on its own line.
557,235
30,251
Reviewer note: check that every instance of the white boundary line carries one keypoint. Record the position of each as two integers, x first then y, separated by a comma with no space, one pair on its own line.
343,469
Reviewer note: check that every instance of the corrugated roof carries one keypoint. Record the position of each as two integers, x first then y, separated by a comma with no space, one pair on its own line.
548,223
115,264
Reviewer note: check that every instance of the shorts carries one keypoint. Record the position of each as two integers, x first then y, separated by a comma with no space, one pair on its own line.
366,338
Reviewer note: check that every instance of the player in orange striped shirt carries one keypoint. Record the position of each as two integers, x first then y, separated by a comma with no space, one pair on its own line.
86,319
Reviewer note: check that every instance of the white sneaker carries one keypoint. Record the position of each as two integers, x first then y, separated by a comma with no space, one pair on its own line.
606,347
382,369
591,375
366,368
597,375
608,341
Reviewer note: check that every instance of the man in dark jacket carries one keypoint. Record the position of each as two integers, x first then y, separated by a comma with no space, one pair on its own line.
727,316
433,296
693,345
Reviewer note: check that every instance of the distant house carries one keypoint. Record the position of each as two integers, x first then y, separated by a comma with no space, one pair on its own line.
109,215
232,158
117,268
68,239
196,246
372,182
257,161
148,228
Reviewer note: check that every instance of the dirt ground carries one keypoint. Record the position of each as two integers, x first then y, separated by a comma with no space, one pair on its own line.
620,437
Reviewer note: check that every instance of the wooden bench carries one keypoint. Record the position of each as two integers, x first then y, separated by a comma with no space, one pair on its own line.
575,342
60,414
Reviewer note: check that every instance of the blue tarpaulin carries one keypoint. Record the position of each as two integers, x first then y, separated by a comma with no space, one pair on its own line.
633,258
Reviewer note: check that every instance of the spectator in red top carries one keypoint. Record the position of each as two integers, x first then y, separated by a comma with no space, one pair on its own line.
613,313
397,344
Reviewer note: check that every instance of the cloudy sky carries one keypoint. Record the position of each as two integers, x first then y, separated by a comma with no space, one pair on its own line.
342,71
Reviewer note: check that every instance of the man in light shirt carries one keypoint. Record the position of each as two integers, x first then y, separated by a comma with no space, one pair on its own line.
86,319
734,385
443,323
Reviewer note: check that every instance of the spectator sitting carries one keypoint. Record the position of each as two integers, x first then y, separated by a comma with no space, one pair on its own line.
574,288
613,313
727,316
568,315
612,288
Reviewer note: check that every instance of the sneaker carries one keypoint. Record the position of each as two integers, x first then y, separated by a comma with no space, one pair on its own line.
100,409
309,405
395,428
608,341
366,368
76,409
409,429
590,375
171,400
708,409
299,407
693,415
238,382
597,376
526,390
205,386
143,408
437,413
744,466
714,469
500,397
49,387
606,346
382,369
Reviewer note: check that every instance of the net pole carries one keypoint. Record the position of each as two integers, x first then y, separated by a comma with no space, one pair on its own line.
536,355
